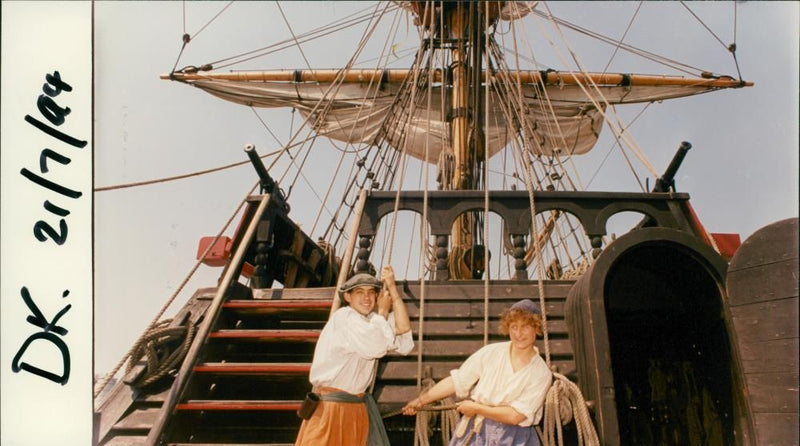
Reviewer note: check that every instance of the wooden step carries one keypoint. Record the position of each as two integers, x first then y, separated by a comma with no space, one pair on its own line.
243,368
139,420
251,405
405,370
396,395
466,347
283,308
127,440
474,310
438,327
267,335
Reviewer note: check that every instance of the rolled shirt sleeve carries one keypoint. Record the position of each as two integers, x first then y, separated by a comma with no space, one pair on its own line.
470,372
369,337
403,343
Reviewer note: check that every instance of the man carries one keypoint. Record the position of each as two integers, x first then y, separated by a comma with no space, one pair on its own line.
372,322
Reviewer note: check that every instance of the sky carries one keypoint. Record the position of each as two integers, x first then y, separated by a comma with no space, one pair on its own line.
742,172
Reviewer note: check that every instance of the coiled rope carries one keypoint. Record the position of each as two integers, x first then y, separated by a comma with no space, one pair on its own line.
427,416
565,400
157,347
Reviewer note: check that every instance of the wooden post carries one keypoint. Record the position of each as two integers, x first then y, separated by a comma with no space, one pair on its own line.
348,253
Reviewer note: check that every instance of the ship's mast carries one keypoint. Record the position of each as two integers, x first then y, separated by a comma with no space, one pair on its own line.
464,20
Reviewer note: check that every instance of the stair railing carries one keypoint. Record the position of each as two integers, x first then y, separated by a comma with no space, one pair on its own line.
205,326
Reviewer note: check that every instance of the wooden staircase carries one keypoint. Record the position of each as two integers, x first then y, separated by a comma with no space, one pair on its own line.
252,371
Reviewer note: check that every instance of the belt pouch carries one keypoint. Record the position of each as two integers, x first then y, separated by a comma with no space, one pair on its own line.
309,405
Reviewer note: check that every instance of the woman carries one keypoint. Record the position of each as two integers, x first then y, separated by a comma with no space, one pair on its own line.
506,383
373,322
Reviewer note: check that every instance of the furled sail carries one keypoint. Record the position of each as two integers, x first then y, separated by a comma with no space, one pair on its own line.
504,10
562,118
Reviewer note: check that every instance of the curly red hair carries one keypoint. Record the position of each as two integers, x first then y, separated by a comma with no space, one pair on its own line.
513,315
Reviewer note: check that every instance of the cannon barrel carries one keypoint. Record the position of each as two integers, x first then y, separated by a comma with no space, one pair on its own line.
267,184
668,179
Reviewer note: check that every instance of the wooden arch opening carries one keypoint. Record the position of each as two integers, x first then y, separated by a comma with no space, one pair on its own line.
669,348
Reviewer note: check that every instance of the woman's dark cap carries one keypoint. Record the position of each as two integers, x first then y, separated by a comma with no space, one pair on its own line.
527,305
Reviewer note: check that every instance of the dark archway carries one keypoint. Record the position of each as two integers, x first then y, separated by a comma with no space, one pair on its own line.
669,348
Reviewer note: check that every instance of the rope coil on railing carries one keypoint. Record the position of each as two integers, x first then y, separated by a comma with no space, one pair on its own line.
155,347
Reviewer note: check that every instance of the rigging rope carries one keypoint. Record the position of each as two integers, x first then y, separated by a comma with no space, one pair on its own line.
335,26
667,62
704,25
621,39
180,177
486,262
213,18
562,388
613,124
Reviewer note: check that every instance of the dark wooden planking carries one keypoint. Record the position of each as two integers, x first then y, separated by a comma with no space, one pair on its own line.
770,356
237,405
138,420
437,327
267,335
764,321
127,440
474,310
762,288
475,290
396,394
282,368
763,283
279,304
397,370
284,308
466,347
321,293
771,244
779,429
451,290
773,392
153,398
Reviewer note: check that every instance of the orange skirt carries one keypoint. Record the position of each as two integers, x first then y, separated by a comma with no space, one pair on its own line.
335,424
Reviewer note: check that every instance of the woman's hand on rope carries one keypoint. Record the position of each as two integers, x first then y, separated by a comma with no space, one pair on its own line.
413,406
468,407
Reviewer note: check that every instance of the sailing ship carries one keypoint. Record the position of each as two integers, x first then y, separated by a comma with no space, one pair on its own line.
460,167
